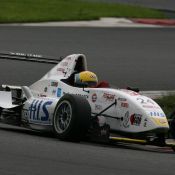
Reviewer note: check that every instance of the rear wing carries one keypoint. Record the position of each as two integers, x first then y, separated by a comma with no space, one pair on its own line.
29,57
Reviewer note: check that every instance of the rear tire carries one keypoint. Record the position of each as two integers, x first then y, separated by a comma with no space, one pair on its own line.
72,116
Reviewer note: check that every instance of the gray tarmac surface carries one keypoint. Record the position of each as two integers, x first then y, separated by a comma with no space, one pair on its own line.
167,6
136,57
157,4
142,57
26,152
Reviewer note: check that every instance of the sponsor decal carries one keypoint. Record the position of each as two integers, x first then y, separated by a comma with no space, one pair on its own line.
122,99
60,69
45,89
54,83
26,55
37,108
53,91
135,119
94,98
157,114
43,95
59,92
160,121
145,122
98,107
126,120
151,106
83,95
124,105
93,76
108,97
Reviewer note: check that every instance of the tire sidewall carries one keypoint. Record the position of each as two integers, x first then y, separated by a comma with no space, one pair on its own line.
80,118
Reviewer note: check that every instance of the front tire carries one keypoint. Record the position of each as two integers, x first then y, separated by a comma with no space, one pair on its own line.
72,116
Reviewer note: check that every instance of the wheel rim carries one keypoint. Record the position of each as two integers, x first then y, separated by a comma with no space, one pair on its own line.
63,116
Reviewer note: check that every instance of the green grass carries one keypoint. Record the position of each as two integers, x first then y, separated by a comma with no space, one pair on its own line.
167,103
68,10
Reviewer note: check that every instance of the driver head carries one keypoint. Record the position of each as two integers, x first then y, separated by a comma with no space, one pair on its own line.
86,79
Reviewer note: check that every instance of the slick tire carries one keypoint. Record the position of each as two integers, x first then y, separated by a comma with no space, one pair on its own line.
72,116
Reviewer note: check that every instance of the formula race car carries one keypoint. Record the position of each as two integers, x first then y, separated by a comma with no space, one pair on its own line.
80,110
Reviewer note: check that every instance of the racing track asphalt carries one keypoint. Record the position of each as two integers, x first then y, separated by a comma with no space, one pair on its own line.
157,4
25,152
139,57
167,6
142,57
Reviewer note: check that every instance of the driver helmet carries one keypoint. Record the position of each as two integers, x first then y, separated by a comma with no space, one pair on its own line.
86,78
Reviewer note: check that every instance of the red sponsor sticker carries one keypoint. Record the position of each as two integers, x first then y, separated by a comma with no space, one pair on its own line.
135,119
108,97
124,105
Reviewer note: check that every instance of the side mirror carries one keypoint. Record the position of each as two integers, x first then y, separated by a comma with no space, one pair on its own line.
133,89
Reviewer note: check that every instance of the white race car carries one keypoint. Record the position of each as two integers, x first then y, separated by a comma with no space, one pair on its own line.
74,113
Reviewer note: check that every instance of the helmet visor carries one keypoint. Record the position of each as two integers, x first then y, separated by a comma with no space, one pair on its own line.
91,83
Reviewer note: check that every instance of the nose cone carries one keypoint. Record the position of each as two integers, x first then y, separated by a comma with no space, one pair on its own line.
152,116
155,117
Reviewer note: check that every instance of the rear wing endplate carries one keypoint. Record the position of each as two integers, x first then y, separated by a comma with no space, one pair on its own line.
6,100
